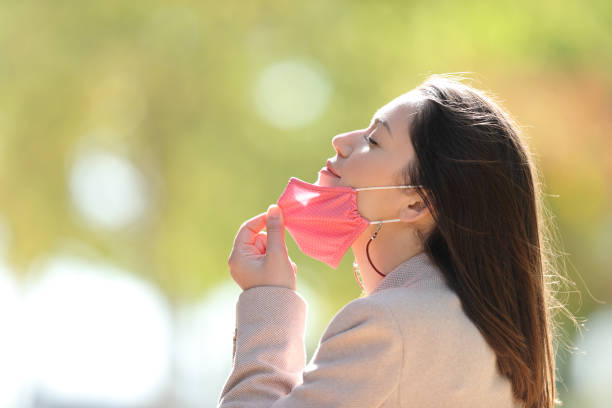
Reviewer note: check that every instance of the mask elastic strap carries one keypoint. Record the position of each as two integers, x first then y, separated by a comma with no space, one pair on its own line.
385,187
383,221
381,188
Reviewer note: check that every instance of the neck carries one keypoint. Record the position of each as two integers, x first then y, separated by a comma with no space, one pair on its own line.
393,245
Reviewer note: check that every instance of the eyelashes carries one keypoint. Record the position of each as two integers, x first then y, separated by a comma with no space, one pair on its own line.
369,139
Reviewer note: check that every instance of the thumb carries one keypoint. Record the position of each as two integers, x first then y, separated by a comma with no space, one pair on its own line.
275,230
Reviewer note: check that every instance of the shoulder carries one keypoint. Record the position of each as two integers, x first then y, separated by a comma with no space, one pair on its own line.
422,312
416,314
424,304
362,315
392,309
415,327
431,322
415,303
421,337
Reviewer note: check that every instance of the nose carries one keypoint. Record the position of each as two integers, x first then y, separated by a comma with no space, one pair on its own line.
341,144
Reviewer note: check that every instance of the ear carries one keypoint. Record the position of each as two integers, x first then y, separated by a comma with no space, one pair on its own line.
414,210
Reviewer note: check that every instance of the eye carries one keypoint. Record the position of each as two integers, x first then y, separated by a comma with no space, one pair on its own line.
369,139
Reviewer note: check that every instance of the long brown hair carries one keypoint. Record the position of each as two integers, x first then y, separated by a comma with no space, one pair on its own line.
480,184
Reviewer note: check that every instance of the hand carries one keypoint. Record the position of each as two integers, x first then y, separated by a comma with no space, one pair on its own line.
260,258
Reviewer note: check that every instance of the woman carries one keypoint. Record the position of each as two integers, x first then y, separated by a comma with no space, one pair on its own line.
456,309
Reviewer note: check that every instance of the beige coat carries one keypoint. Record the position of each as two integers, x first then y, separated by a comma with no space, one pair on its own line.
407,344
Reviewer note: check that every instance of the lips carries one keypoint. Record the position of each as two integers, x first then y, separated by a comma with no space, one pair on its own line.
331,169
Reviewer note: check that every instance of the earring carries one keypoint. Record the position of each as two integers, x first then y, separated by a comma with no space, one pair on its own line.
368,248
355,266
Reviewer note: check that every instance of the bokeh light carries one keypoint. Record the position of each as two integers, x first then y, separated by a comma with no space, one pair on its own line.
204,332
12,372
293,93
591,369
107,189
96,335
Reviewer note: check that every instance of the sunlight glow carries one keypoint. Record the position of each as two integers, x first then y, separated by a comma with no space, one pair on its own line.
11,369
96,335
592,368
204,333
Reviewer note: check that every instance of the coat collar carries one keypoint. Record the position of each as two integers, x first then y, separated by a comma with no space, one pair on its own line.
417,268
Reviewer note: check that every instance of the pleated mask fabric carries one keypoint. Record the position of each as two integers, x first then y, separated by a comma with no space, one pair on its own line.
324,221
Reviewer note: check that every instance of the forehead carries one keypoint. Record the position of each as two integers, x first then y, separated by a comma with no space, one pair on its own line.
399,112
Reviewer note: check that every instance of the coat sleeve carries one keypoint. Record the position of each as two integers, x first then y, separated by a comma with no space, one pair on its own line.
356,364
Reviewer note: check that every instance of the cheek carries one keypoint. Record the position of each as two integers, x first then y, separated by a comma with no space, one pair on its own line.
376,205
368,205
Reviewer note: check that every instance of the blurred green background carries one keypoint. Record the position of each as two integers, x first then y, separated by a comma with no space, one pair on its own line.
141,134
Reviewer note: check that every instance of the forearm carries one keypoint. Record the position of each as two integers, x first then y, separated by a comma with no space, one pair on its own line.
270,354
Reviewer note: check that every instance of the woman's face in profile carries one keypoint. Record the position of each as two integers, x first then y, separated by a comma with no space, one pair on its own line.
375,156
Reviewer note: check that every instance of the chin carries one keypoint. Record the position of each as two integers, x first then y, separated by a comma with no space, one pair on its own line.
321,181
326,181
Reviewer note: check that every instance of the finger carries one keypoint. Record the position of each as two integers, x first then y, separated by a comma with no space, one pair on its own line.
249,229
275,230
261,242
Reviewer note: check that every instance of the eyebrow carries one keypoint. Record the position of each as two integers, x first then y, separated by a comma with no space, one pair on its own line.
385,124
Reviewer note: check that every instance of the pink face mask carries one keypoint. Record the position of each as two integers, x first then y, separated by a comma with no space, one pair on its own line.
324,221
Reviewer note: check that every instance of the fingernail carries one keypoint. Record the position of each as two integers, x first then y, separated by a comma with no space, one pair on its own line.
273,211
